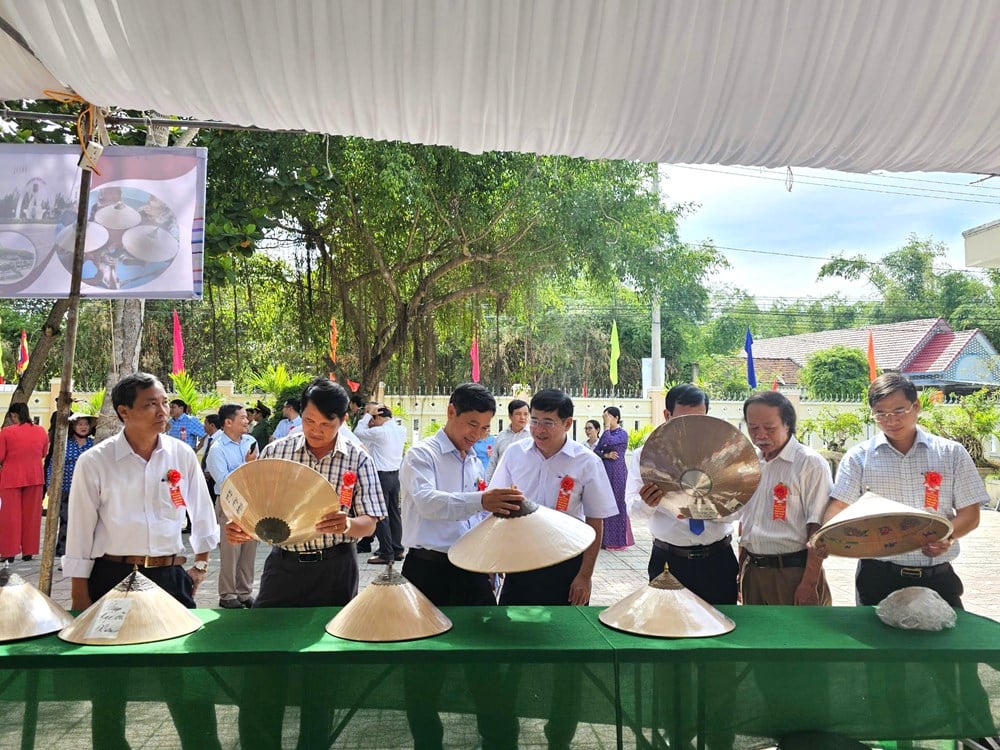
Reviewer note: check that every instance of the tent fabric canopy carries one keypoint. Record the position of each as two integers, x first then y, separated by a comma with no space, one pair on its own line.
853,85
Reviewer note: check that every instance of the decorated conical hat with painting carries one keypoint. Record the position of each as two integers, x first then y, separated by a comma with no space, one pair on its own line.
665,609
875,526
390,608
25,612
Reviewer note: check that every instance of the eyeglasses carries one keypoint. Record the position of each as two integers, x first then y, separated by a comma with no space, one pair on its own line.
884,416
548,424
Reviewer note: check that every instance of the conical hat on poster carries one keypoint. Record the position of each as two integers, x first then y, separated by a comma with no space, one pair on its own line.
278,501
706,468
665,609
389,609
96,238
875,526
26,612
151,244
134,611
531,538
117,216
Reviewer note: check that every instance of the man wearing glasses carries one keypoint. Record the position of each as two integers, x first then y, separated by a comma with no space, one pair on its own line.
913,467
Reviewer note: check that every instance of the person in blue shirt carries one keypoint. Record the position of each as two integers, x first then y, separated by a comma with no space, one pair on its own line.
290,409
183,426
80,438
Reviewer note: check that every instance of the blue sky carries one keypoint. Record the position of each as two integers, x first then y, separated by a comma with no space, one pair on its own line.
868,214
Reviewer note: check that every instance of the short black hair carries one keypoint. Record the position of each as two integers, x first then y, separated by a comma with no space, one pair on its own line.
552,399
888,383
296,403
328,397
179,402
359,399
615,412
213,419
126,389
472,397
514,405
21,410
228,411
772,398
686,394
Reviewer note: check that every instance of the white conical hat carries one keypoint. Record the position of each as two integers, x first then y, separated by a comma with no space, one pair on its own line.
26,612
278,501
134,611
389,609
665,609
532,538
875,526
117,216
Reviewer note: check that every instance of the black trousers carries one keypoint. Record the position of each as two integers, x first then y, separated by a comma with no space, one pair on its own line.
389,531
714,578
194,718
876,579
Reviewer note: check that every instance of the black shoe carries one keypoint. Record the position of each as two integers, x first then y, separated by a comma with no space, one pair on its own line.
364,546
376,560
230,604
25,557
399,557
247,603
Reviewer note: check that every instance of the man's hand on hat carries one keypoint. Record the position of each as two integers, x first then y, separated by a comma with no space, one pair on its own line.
502,500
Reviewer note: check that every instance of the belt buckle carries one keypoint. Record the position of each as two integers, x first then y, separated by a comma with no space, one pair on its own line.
698,554
911,572
310,557
145,561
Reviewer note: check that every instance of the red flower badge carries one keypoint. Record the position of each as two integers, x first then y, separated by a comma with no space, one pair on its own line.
780,505
565,490
174,476
481,484
174,480
347,488
932,489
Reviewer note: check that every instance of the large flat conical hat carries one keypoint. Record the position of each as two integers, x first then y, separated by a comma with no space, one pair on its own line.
389,609
665,609
117,216
134,611
151,244
706,468
25,611
532,538
875,526
278,501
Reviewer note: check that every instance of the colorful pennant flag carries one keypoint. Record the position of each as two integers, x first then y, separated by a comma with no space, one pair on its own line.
353,386
474,356
585,389
23,357
333,340
615,353
774,385
178,365
872,370
748,348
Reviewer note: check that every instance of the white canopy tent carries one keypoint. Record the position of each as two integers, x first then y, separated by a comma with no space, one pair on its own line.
853,85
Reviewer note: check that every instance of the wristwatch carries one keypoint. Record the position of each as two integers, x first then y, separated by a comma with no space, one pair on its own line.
201,565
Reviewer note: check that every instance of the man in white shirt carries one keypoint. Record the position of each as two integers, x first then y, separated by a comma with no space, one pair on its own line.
128,505
292,418
699,554
384,440
444,496
230,449
784,511
517,429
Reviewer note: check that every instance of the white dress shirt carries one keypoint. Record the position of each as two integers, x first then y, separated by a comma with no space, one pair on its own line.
876,465
384,442
663,523
807,476
503,441
540,478
119,504
440,496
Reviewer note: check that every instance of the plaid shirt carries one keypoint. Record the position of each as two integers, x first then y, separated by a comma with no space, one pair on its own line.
344,457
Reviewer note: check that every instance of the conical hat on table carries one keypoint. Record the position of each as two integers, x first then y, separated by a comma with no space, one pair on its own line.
134,611
706,468
875,526
665,609
389,609
531,538
25,612
149,243
278,501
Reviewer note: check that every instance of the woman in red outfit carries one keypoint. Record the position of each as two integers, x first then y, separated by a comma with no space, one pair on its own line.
23,446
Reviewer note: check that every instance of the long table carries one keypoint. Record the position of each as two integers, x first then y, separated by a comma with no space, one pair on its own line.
782,669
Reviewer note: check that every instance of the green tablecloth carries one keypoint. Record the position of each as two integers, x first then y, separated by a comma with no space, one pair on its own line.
782,668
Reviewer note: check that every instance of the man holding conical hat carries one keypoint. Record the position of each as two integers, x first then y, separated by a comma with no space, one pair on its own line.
906,464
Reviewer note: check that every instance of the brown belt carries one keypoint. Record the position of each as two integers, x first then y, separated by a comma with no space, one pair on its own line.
147,561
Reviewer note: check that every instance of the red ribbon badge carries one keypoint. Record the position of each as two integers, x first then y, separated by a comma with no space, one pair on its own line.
565,489
932,489
347,489
481,484
174,479
778,509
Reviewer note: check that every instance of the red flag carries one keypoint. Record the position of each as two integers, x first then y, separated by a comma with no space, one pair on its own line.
585,389
333,341
774,385
474,356
353,386
872,371
23,357
178,347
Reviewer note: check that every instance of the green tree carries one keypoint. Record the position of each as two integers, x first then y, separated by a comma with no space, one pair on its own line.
836,372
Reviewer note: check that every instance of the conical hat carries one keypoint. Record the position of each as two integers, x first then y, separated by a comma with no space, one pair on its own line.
389,609
25,611
134,611
118,216
665,609
875,526
278,501
532,538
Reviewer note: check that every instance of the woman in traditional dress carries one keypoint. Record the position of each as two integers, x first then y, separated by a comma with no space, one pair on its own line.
611,448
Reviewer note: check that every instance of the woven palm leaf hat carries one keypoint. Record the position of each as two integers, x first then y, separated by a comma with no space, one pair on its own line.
134,611
25,612
390,608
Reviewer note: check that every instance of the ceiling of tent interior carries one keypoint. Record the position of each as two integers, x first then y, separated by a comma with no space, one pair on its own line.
853,85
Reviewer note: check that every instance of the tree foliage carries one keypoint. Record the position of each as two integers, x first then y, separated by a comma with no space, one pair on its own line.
835,372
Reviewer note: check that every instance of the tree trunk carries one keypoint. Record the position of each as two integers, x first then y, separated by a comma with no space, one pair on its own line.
40,354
